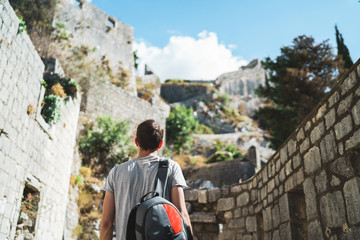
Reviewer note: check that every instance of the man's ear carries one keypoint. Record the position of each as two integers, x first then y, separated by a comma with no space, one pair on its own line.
160,145
136,142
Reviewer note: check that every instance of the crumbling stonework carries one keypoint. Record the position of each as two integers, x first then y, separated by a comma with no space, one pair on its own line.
104,35
243,81
32,152
309,189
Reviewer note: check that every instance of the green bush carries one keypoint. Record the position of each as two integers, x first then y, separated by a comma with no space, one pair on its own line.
224,152
106,144
180,125
203,129
224,99
51,108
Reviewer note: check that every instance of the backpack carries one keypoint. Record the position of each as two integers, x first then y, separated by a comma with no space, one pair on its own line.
156,218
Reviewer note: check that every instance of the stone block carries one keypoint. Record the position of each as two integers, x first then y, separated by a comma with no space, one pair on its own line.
271,185
202,217
356,113
321,111
321,182
352,200
317,132
284,208
225,204
288,169
348,83
291,147
236,188
335,181
343,127
276,235
267,219
237,213
312,160
282,175
275,216
315,230
202,196
330,118
242,199
308,126
191,195
334,98
296,161
237,223
328,147
354,140
251,224
357,92
300,135
214,195
342,167
345,105
283,154
263,193
304,146
332,209
228,215
253,195
285,231
225,190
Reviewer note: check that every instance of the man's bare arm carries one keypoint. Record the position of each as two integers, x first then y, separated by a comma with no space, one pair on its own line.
108,215
178,199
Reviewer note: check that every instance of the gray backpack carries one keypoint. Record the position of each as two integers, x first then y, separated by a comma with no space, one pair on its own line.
156,218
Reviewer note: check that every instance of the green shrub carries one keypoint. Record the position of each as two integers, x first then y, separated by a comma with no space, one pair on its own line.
106,144
180,125
224,152
224,99
203,129
51,108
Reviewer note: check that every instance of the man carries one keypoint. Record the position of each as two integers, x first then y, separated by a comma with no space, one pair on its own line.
129,181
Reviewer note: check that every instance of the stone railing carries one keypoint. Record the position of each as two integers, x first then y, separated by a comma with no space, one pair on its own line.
309,189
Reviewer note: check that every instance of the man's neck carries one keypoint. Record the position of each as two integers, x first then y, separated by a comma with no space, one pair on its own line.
146,153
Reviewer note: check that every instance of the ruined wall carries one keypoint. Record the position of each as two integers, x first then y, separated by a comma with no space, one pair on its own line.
177,92
310,189
31,152
243,81
105,35
222,173
104,98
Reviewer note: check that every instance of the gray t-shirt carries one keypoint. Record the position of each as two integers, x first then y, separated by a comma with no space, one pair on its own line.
130,181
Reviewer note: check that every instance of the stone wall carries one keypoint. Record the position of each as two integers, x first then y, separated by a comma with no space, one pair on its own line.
32,152
309,189
105,35
104,98
243,81
178,92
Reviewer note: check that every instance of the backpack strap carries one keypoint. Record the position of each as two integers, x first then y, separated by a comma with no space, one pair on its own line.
130,229
161,177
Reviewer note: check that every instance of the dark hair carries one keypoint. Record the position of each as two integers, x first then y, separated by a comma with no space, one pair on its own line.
149,134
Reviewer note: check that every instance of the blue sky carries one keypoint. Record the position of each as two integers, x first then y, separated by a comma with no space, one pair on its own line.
218,36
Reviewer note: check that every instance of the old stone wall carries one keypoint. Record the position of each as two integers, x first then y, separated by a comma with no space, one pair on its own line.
178,92
309,189
104,98
32,153
243,81
222,173
103,34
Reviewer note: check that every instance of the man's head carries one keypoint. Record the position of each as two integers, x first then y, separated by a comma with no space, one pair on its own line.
149,135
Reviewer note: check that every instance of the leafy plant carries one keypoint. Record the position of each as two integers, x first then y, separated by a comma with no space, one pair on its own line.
106,143
180,125
224,99
22,25
224,152
51,108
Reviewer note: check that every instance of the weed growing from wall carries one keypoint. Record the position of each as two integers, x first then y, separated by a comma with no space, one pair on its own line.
51,111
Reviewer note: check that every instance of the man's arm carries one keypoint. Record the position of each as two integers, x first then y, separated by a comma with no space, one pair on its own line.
178,199
108,215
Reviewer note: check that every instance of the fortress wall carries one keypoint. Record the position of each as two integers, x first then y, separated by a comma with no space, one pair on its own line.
309,189
104,34
31,152
180,92
106,99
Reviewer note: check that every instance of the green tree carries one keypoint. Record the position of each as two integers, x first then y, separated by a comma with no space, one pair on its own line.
344,58
180,125
297,81
106,143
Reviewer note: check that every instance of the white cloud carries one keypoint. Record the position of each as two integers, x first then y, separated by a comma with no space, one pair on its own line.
201,58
